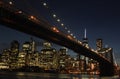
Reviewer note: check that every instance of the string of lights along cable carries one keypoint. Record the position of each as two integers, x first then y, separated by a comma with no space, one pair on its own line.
57,19
53,15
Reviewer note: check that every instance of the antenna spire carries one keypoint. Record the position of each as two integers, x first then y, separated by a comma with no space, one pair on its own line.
85,33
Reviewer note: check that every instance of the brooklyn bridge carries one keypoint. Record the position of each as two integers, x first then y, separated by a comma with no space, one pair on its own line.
13,17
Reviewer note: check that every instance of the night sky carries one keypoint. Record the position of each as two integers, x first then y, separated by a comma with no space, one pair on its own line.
101,18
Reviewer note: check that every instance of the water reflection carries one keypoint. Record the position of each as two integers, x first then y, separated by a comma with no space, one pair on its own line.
21,75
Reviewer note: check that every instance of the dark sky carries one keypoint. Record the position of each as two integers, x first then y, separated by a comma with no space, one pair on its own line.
101,18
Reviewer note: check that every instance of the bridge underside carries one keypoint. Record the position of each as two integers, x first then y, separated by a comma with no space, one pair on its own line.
22,24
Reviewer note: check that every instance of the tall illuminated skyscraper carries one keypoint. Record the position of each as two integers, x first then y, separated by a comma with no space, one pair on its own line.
85,39
85,59
33,45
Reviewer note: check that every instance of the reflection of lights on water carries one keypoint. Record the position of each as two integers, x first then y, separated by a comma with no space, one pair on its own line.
75,78
20,73
65,76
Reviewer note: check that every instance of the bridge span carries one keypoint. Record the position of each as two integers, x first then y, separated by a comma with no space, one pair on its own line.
14,18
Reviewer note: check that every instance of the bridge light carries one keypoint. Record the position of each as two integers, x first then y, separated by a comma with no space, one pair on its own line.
92,50
58,20
44,4
68,31
71,34
54,15
32,17
10,3
55,29
19,12
62,24
66,28
74,36
79,42
95,51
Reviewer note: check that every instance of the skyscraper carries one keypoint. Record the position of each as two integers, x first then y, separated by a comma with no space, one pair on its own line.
85,39
99,44
85,59
33,45
48,58
14,54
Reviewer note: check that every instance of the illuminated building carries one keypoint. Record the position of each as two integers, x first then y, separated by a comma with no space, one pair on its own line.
93,67
21,59
99,44
63,57
14,54
46,45
4,65
85,39
33,45
48,59
29,46
5,56
31,58
5,59
84,60
26,47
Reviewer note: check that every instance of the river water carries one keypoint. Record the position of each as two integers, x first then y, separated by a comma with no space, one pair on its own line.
28,75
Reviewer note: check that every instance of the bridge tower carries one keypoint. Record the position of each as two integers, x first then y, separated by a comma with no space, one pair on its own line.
106,69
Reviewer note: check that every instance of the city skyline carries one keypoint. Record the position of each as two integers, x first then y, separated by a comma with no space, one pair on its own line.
100,18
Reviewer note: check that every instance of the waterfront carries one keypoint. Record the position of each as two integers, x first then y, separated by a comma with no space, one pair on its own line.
31,75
